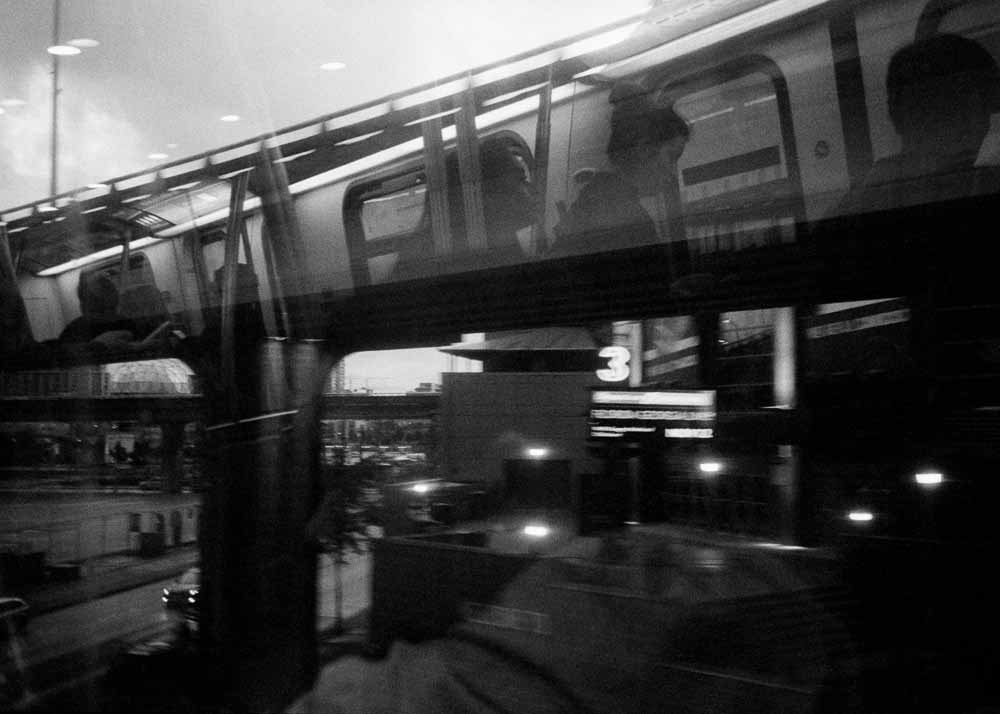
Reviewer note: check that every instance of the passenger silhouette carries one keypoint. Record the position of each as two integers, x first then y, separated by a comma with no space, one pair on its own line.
98,297
645,143
508,206
941,93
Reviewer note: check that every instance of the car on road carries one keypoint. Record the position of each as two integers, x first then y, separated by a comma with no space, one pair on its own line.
14,613
182,594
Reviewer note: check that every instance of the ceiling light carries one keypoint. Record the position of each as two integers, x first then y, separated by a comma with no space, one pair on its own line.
172,146
47,208
861,516
356,139
97,185
929,478
12,102
157,155
588,72
332,66
84,42
536,531
230,117
438,115
63,50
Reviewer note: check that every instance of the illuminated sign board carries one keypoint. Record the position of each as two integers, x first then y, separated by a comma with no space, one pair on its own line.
617,369
668,414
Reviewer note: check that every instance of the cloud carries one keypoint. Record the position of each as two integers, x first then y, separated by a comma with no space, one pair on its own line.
94,144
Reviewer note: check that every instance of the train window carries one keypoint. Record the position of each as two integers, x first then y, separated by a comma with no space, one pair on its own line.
979,21
744,368
138,299
394,218
670,355
738,179
389,219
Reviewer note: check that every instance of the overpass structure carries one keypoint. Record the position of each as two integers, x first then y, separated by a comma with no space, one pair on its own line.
177,408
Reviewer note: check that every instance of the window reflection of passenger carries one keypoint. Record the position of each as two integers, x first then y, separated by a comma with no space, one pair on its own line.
99,307
646,142
941,93
508,206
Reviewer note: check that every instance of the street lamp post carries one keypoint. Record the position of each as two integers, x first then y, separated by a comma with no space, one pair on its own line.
54,151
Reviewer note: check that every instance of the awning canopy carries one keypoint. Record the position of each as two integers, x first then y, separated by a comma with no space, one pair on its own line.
549,339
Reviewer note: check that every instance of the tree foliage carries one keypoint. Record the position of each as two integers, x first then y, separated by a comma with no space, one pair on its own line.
348,507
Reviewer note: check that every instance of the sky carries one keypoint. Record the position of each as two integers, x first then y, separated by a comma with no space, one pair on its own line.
165,72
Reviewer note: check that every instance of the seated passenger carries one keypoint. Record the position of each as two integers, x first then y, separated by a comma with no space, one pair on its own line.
99,307
646,142
508,206
941,93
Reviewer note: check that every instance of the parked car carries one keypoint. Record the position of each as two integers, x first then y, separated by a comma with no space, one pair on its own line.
14,613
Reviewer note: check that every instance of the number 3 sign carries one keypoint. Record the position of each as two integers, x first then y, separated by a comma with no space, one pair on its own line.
617,369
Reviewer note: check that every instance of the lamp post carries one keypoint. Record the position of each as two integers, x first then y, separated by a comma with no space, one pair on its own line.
54,150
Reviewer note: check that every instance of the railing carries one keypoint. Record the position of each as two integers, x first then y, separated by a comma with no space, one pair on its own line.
78,382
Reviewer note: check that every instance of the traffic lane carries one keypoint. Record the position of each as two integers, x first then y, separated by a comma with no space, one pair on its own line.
94,622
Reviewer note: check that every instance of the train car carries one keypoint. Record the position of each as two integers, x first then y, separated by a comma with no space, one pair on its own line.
781,194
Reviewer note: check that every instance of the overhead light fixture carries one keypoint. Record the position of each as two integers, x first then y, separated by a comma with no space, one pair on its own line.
172,146
83,42
63,50
229,117
537,453
513,95
156,155
356,139
438,115
47,208
710,467
12,102
588,72
332,66
292,157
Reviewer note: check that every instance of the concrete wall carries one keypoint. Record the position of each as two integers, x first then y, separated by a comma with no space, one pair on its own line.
489,417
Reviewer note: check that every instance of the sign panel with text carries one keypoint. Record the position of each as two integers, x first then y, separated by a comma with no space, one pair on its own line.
664,414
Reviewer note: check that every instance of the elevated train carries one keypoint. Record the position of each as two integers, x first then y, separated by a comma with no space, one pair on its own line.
858,339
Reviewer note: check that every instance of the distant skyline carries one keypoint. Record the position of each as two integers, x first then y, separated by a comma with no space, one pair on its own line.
399,371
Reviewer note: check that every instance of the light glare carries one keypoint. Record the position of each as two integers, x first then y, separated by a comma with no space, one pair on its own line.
230,117
536,531
537,453
332,66
63,50
84,42
421,488
861,516
710,467
929,478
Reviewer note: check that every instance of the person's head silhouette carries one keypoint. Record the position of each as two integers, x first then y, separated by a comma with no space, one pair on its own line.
941,92
646,139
